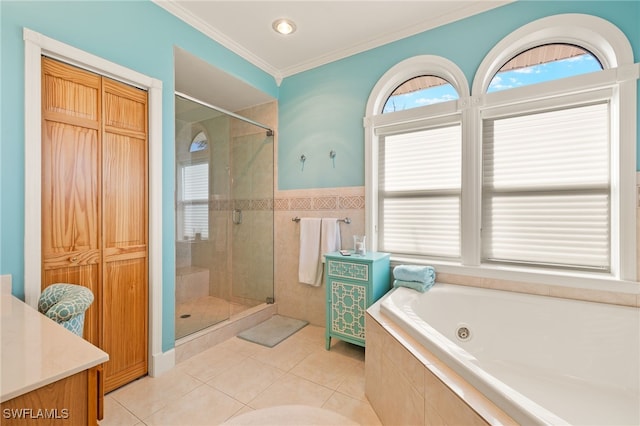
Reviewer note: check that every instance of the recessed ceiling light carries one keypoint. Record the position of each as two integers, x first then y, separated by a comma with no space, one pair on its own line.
284,26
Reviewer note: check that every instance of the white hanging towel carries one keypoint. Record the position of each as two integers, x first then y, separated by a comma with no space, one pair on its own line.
329,236
310,266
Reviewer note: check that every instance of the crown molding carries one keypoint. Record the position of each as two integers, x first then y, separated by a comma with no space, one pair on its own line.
456,15
464,11
174,8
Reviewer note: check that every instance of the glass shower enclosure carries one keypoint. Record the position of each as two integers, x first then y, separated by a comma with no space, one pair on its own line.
224,215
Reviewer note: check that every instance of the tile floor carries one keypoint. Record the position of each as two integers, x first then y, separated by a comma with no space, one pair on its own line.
237,376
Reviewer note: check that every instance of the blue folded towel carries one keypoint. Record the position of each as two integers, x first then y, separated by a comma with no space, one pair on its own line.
421,287
421,274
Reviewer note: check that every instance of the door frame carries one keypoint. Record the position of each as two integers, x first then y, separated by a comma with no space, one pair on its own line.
37,45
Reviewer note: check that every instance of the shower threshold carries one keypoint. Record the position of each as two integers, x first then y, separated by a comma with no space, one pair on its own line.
194,343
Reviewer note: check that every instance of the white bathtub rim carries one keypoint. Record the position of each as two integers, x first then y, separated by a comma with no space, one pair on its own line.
519,407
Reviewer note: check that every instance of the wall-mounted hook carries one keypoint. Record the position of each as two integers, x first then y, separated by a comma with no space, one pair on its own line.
332,155
303,158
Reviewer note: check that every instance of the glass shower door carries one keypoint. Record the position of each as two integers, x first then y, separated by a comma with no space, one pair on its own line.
224,216
252,191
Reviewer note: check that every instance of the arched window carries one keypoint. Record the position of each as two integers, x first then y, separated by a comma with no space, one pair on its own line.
535,183
193,159
550,153
544,63
199,142
418,143
419,91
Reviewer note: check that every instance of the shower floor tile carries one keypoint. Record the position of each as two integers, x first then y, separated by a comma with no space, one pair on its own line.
203,312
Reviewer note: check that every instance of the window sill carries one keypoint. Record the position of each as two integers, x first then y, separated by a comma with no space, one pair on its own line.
538,281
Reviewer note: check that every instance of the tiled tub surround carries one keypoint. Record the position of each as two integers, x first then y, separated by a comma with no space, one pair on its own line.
578,360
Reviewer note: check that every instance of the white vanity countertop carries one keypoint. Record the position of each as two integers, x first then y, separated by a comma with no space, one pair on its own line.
35,351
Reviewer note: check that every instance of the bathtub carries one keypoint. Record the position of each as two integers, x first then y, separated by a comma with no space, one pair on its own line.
541,360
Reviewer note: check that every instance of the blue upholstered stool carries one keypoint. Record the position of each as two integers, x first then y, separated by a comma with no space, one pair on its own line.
66,304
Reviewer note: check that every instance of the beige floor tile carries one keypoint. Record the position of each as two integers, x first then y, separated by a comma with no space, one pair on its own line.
244,410
150,394
116,415
325,368
290,389
242,347
291,415
210,363
286,354
312,333
202,406
353,384
212,386
246,380
354,409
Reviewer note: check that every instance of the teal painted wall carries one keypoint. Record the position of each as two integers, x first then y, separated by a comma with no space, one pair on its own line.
322,109
136,34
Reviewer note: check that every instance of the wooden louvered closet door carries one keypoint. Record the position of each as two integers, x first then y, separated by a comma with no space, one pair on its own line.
94,207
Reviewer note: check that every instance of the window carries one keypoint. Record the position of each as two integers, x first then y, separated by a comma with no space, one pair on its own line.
532,183
193,188
546,171
419,91
419,151
195,200
199,143
419,191
544,63
546,188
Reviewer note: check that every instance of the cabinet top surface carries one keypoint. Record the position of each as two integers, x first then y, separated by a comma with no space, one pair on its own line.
370,256
35,351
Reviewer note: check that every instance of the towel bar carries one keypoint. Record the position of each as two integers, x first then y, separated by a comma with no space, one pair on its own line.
346,220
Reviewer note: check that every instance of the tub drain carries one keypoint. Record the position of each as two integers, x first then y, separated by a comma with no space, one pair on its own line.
463,333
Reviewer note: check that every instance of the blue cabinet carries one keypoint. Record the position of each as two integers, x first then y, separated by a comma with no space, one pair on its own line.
353,284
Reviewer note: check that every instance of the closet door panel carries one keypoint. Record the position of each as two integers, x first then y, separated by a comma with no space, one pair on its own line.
125,321
70,191
124,232
70,92
124,178
70,212
125,108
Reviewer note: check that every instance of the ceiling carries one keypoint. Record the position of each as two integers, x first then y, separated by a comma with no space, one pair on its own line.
327,30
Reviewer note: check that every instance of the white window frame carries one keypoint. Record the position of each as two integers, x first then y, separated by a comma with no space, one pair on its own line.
611,47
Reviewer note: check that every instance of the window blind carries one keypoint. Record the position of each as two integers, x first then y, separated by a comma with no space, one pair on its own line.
195,200
196,219
195,182
419,192
546,188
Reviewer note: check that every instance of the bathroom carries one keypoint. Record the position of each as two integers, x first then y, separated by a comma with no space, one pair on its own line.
318,111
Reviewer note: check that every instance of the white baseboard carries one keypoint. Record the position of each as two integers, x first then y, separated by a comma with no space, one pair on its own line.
5,284
162,362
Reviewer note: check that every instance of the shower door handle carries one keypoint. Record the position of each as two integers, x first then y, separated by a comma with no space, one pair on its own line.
236,216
